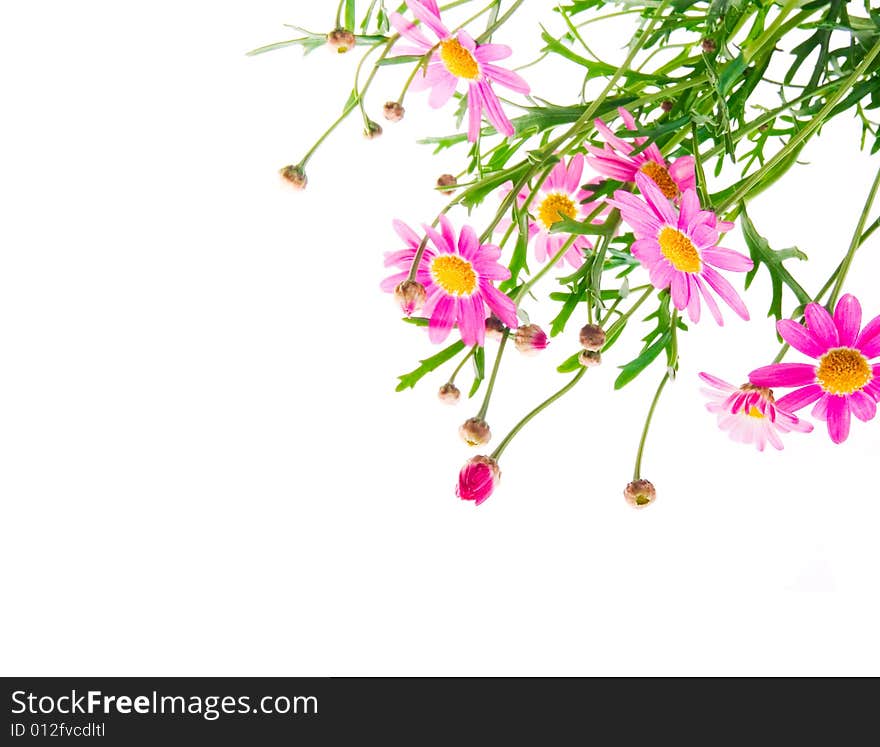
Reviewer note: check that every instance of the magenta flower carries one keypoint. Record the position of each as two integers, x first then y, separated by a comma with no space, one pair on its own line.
560,196
616,160
477,479
456,58
844,382
457,276
749,413
679,248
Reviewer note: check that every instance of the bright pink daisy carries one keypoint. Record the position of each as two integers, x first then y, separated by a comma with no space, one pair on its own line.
617,160
456,58
749,413
477,479
844,382
457,276
679,248
560,196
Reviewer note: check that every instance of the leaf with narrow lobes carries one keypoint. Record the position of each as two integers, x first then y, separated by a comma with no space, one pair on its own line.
409,380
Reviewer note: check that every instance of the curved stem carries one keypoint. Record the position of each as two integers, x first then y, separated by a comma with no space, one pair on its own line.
491,385
546,403
461,364
637,472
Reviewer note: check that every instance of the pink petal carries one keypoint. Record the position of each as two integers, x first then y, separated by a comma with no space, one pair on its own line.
799,398
784,374
494,112
716,382
848,320
725,291
680,290
492,52
468,244
710,301
429,16
442,318
820,323
694,300
862,406
798,337
501,304
506,78
472,320
682,172
475,113
442,91
447,230
869,340
574,173
621,145
656,199
690,206
838,419
727,259
408,30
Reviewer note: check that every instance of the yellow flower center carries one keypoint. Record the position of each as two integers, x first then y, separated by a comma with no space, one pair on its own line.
458,60
554,208
843,371
660,176
455,275
679,250
754,412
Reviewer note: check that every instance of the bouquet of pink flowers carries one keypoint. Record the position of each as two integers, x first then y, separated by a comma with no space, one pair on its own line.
610,191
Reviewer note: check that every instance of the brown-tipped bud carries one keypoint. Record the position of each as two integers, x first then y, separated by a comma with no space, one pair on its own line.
341,40
708,45
372,130
449,394
666,105
478,479
590,358
411,296
393,111
640,494
446,182
592,337
294,176
494,327
475,432
530,339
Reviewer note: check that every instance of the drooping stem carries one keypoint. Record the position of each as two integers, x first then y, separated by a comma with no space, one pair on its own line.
544,405
637,471
491,385
465,359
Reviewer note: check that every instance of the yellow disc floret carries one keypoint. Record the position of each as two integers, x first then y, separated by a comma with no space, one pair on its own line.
554,208
660,176
843,371
454,275
458,60
679,250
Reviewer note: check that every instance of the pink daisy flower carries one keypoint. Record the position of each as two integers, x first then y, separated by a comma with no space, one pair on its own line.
749,413
560,197
679,248
616,160
844,382
457,276
457,58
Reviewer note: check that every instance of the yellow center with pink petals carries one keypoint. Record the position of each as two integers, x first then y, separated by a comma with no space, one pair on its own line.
679,250
843,371
454,275
554,208
754,412
660,176
458,60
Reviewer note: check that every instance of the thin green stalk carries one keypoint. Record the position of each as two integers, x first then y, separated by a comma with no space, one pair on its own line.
499,22
545,404
465,359
637,472
548,265
491,385
702,188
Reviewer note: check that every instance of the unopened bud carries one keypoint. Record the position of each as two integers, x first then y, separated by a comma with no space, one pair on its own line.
666,105
708,45
447,182
411,296
640,494
530,339
475,432
477,479
592,337
494,327
393,111
341,40
590,358
372,130
449,394
294,176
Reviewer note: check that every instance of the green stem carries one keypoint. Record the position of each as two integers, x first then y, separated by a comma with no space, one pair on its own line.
612,330
548,265
460,366
491,385
339,15
546,403
637,472
702,188
854,244
500,21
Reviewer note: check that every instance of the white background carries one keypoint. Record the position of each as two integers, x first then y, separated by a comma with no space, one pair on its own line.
204,468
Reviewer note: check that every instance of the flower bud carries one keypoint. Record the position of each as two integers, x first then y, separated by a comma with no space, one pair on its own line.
478,479
666,105
449,394
708,45
640,494
494,327
411,296
393,111
475,432
372,130
447,182
530,339
294,176
592,337
341,40
590,358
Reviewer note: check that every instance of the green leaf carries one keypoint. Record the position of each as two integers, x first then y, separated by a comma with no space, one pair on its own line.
570,364
401,60
773,260
350,19
647,357
479,370
409,380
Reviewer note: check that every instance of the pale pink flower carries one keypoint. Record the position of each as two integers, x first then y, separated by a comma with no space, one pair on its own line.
844,382
458,277
679,248
617,160
458,57
749,413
